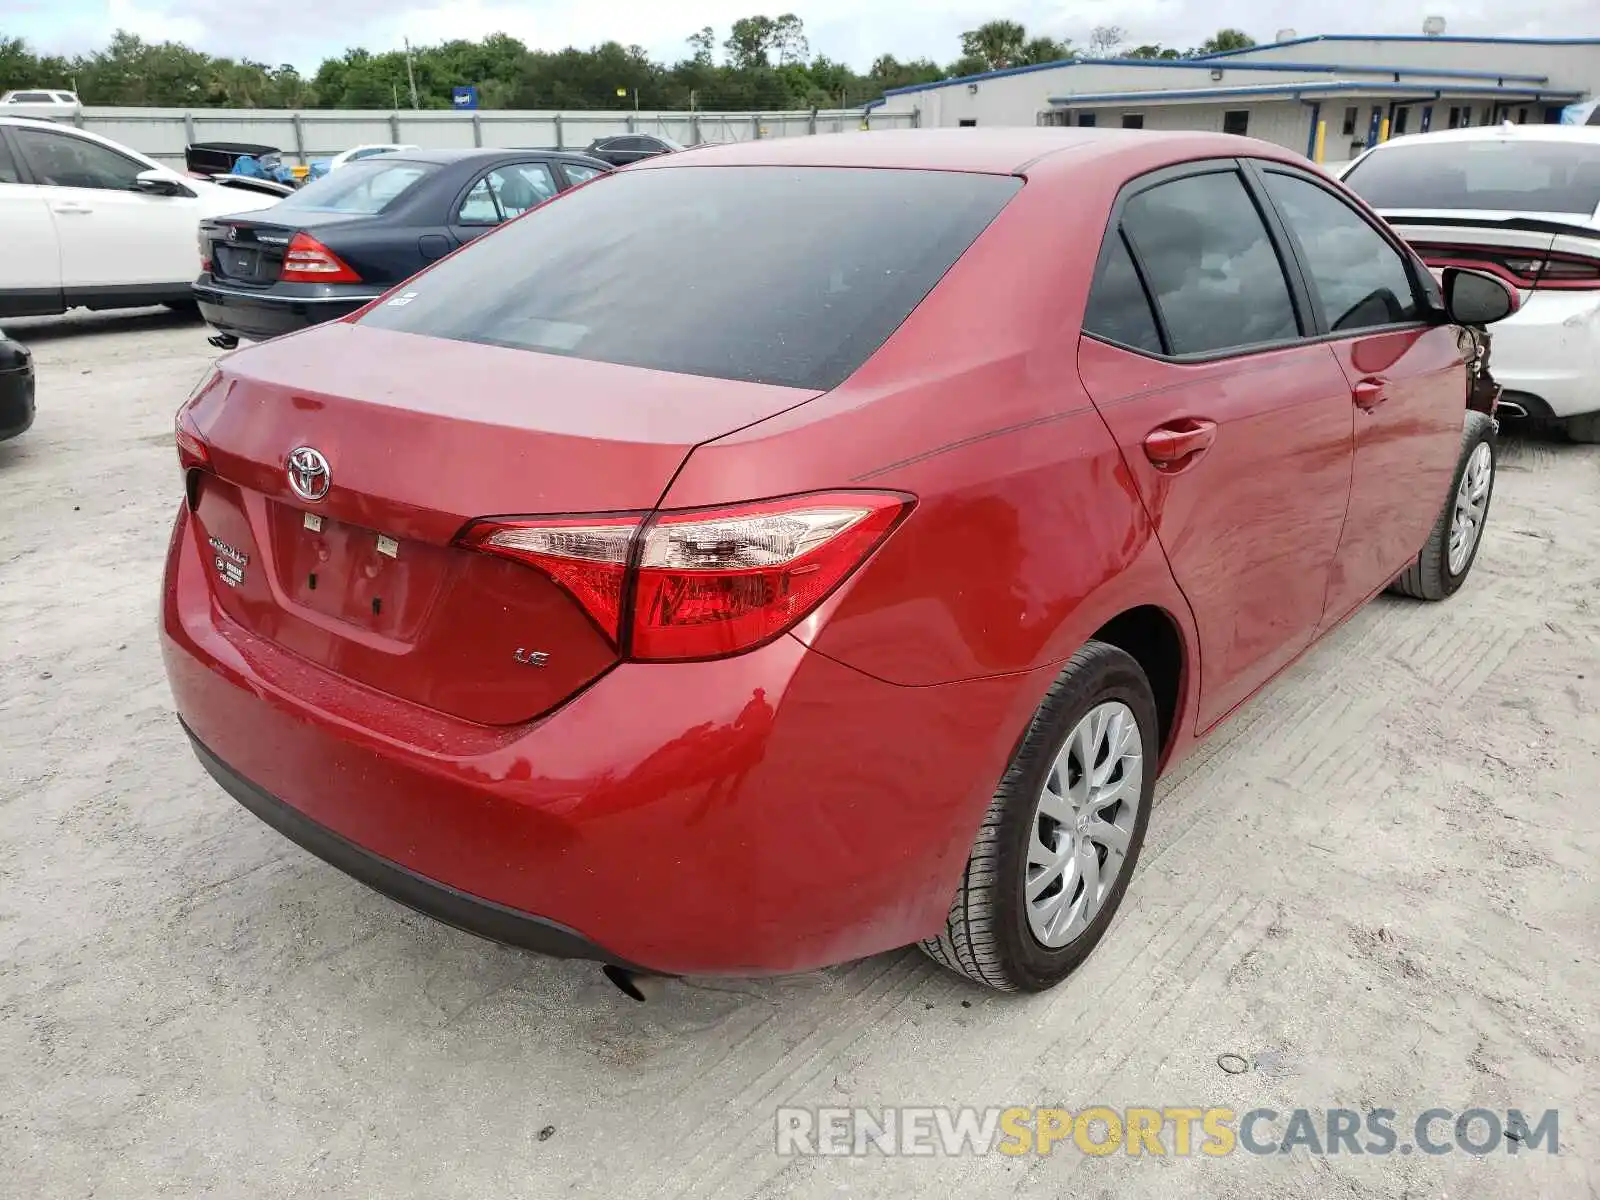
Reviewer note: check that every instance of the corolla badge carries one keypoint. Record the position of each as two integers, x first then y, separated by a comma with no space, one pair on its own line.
309,476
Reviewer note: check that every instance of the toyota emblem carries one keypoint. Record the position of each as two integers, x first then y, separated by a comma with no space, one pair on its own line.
309,476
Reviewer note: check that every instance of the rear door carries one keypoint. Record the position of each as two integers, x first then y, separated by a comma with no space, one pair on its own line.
110,233
1235,426
30,267
1407,378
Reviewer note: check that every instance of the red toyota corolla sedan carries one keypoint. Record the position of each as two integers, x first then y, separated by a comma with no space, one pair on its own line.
775,554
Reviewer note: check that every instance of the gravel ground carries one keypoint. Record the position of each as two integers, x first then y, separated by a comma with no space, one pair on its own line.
1377,885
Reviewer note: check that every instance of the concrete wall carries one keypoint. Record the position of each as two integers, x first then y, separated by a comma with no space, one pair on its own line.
162,133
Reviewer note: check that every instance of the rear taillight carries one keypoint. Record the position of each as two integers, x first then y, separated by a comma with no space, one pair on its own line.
1571,272
309,261
1533,271
192,450
588,557
205,250
702,583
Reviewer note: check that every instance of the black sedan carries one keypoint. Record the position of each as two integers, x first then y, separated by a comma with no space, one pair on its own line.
339,242
16,388
628,148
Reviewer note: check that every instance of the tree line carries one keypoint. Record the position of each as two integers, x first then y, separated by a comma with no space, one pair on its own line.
762,63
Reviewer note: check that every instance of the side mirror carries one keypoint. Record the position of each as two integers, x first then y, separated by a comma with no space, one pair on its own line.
154,183
1476,298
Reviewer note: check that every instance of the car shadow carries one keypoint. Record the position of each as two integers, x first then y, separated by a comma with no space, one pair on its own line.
35,331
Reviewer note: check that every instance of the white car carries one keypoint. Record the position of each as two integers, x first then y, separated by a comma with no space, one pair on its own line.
1522,201
359,152
40,102
86,222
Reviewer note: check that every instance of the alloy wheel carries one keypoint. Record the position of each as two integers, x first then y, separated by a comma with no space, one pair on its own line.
1082,823
1472,500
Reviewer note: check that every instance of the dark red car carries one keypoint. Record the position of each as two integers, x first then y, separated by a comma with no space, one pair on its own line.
785,552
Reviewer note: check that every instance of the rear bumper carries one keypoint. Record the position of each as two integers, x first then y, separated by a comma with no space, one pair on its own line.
762,814
481,917
257,316
1550,350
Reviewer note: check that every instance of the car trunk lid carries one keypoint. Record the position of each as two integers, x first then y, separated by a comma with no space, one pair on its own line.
250,250
419,437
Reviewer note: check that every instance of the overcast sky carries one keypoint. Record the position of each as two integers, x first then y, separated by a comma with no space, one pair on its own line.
306,31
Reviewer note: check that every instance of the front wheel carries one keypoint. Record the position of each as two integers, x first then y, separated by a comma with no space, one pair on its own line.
1052,858
1452,546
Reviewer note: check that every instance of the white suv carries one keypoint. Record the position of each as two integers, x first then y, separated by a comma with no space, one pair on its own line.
1522,201
86,222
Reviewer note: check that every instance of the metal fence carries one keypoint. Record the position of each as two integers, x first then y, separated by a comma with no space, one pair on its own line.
162,133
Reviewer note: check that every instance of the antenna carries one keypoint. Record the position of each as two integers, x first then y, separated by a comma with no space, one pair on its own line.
1433,26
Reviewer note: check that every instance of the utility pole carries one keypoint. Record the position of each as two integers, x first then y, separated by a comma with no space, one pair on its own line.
411,77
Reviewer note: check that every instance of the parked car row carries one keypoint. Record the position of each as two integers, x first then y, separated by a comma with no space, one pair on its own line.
89,223
916,532
344,239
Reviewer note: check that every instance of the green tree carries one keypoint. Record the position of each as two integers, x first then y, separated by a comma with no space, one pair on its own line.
1224,40
995,44
1153,50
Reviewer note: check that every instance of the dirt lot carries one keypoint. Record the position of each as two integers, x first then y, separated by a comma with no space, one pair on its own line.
1377,886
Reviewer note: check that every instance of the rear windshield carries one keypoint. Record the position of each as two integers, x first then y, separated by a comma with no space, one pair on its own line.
1517,176
777,275
364,188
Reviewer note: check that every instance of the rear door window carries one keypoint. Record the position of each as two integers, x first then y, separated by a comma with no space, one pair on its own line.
783,275
1361,281
1506,174
1210,264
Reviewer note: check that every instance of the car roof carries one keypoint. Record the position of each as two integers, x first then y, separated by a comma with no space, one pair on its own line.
486,154
1000,151
1504,132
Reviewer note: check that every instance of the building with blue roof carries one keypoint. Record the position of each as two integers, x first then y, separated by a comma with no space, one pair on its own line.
1329,96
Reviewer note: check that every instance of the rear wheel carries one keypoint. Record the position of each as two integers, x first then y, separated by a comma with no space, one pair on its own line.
1583,429
1051,861
1452,546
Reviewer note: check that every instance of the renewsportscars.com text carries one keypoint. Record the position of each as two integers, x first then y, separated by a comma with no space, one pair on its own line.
1178,1131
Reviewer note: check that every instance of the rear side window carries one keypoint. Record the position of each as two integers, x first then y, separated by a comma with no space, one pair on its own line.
1210,265
1509,174
577,174
1360,279
1119,309
783,275
363,188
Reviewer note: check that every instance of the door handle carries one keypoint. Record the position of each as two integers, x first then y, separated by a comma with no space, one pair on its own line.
1370,393
71,209
1179,442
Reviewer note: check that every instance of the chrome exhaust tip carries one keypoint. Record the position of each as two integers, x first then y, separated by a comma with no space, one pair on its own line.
635,985
1511,408
223,341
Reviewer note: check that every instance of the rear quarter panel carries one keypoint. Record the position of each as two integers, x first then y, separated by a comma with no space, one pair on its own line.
1028,533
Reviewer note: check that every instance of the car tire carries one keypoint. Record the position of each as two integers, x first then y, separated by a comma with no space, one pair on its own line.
1585,429
1438,571
994,933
